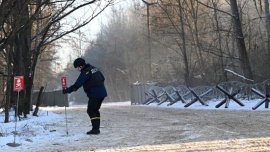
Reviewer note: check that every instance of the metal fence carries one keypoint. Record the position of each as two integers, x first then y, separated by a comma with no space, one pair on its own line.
54,98
138,92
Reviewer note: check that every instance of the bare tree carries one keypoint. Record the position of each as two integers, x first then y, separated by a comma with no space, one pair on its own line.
148,4
222,65
48,18
238,32
240,40
187,75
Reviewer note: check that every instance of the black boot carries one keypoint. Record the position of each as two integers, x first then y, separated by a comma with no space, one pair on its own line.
95,130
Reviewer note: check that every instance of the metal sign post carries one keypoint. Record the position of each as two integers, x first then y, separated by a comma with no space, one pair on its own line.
64,85
18,85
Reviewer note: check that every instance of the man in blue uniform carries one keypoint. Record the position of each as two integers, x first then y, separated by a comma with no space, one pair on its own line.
92,81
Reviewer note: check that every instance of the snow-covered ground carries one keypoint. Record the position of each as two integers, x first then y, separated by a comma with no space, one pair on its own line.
44,128
53,127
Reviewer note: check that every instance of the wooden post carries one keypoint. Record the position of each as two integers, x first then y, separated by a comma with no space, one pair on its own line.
38,101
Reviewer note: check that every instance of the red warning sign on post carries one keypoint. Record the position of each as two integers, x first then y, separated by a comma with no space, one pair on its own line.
64,82
18,83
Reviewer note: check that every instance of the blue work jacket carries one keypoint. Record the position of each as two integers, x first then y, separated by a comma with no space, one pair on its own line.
92,81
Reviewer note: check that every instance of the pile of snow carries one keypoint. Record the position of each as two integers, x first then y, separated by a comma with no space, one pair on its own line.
31,126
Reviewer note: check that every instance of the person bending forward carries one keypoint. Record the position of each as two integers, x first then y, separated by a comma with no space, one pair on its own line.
92,81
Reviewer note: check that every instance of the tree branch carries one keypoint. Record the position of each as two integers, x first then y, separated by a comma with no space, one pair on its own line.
215,8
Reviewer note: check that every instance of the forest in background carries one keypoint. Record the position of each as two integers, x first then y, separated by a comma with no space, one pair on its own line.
169,42
191,43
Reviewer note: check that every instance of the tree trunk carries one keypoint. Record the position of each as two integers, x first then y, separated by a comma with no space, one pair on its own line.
186,76
38,101
223,75
242,52
8,90
267,24
22,45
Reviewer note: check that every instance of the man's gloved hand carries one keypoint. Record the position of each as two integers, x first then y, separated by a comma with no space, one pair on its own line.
64,91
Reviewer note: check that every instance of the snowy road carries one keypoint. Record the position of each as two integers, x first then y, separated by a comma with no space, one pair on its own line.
151,128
